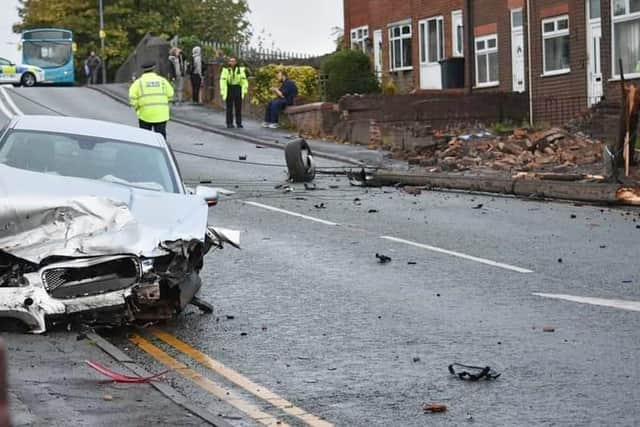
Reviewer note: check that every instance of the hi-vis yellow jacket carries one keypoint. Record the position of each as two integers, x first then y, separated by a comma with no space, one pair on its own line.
235,77
150,96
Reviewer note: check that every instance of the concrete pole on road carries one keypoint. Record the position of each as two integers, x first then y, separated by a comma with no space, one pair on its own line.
102,36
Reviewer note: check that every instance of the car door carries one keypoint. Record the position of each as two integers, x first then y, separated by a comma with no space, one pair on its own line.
8,72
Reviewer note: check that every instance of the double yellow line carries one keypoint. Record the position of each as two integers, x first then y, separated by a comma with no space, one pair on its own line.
229,374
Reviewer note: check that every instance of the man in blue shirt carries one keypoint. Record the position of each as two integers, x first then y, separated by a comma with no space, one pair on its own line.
286,95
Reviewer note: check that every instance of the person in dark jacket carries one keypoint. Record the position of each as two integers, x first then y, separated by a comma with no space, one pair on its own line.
93,64
196,73
285,94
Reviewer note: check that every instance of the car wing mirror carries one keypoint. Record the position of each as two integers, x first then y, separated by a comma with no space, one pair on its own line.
208,194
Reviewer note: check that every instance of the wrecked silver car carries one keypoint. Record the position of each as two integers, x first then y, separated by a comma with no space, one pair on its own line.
96,225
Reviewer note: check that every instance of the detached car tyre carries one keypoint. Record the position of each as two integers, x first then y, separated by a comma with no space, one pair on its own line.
300,161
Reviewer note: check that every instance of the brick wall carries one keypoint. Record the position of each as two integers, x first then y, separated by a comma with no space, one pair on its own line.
612,89
378,14
494,16
559,98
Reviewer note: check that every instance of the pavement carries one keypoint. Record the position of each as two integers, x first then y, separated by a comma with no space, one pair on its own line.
310,329
215,121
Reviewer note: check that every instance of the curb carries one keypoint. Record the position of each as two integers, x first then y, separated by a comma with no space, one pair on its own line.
240,137
601,193
164,388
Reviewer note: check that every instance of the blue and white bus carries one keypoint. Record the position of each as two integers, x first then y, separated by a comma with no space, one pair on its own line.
52,50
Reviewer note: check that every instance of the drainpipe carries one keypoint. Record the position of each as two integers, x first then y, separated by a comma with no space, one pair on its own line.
470,59
529,62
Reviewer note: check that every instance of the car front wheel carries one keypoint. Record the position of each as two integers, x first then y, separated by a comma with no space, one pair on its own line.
28,80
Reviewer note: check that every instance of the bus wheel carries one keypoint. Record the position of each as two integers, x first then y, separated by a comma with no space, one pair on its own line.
28,80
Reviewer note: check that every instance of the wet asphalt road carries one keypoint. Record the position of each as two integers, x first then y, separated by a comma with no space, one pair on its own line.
305,310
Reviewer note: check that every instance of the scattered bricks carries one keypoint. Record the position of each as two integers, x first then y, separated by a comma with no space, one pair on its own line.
432,408
414,160
520,133
512,148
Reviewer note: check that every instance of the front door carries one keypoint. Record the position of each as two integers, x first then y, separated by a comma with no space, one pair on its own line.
594,35
517,51
377,52
431,52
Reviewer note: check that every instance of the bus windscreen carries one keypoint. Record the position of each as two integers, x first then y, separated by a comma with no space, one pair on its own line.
47,55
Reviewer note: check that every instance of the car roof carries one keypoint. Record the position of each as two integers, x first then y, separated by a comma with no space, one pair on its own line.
88,127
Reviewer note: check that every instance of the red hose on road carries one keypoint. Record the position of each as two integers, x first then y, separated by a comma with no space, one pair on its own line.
119,378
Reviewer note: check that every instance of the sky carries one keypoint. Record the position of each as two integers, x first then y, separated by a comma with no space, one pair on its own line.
8,40
300,26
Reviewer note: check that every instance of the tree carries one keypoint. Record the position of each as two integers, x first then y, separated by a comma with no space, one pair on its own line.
127,21
338,38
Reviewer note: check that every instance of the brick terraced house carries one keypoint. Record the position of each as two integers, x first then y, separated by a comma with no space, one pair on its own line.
565,53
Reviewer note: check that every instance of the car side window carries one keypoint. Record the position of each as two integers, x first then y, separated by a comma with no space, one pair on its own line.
4,62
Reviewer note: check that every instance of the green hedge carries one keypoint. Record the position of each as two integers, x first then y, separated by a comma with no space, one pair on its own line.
349,72
305,77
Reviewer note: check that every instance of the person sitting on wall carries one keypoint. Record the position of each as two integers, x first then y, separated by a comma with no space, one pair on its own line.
286,95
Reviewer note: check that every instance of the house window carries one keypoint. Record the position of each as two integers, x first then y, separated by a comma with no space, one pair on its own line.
432,40
626,36
487,61
400,47
594,9
555,45
457,33
359,38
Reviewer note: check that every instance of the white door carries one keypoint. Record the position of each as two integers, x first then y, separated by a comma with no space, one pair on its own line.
594,35
517,51
431,52
377,52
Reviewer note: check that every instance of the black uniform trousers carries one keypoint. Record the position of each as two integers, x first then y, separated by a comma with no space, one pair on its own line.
234,102
160,128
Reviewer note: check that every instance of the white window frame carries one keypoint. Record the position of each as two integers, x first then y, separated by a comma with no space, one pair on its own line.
628,16
486,51
546,35
359,36
457,51
403,37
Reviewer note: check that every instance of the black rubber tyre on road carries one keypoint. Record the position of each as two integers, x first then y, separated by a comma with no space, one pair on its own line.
300,161
28,80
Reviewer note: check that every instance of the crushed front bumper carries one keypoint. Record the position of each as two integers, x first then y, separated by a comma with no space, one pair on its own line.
31,304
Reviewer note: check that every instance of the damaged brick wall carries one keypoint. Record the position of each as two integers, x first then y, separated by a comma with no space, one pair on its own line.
437,111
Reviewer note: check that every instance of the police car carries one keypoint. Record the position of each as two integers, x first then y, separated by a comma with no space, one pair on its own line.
25,75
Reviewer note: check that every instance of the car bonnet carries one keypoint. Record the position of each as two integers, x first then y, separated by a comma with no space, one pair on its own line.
45,215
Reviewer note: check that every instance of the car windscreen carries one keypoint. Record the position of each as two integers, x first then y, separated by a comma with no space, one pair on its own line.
134,165
47,54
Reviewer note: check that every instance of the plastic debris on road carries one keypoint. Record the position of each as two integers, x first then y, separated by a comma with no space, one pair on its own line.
473,373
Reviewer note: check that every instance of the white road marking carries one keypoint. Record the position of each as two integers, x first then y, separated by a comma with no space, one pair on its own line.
459,255
12,104
4,109
613,303
274,209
